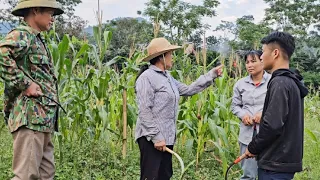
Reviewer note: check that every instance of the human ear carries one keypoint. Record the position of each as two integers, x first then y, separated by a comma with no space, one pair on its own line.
275,53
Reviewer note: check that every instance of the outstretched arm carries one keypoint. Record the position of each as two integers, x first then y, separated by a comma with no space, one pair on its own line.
200,84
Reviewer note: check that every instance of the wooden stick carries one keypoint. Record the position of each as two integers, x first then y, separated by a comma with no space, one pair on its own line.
124,140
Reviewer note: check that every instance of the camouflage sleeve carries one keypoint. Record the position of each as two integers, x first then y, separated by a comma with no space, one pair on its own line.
15,44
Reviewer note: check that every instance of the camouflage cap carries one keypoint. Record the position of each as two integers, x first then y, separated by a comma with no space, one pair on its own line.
25,4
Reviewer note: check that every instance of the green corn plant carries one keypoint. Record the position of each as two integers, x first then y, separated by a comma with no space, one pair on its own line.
312,103
207,118
92,90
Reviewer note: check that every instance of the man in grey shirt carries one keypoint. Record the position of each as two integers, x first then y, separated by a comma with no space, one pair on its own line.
247,104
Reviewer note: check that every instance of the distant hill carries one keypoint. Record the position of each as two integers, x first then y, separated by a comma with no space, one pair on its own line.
138,18
89,29
4,28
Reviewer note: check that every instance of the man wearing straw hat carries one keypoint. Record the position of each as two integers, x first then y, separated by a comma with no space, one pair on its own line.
158,100
27,70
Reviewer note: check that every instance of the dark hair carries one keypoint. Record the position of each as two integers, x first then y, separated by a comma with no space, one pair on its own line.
285,40
253,53
146,66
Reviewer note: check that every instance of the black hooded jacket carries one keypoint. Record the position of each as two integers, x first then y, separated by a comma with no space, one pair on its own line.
279,143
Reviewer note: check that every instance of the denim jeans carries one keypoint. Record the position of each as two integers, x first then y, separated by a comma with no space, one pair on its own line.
249,166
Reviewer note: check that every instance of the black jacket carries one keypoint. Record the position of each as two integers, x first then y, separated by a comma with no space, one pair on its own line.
279,143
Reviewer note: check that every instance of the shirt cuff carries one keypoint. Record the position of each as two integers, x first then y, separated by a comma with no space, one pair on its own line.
157,138
252,148
212,74
241,114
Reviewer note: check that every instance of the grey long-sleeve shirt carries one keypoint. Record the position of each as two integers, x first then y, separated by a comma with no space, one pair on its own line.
158,96
248,98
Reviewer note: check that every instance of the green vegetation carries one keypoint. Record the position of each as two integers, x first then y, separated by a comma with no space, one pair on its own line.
96,82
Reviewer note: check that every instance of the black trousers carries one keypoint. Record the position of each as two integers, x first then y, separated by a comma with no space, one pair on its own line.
154,164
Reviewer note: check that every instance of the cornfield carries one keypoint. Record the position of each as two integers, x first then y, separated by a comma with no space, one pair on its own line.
100,101
101,113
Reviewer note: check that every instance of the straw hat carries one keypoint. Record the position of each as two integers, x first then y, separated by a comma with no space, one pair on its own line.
157,47
25,4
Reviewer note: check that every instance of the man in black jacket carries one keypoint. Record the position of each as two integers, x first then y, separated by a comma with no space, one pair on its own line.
279,143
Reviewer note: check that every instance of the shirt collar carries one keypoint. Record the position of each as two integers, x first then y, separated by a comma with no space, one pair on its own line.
265,77
248,79
155,68
34,31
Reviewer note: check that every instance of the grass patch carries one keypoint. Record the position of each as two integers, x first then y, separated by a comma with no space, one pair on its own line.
102,161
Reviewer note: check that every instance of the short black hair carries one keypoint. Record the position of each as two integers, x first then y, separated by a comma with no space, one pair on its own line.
252,53
285,40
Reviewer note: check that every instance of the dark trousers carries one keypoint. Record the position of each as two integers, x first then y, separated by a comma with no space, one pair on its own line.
154,164
271,175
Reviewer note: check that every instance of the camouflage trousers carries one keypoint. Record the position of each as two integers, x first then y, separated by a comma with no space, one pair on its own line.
33,157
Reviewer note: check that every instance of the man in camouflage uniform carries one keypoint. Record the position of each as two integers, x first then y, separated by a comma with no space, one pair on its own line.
27,70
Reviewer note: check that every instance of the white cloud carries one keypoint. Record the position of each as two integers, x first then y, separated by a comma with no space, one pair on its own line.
242,1
223,6
228,10
110,9
3,6
229,18
101,1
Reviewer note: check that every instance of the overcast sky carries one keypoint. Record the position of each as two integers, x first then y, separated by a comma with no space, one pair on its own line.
228,10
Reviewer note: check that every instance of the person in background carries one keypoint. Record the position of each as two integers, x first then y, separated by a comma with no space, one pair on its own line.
27,70
247,104
158,96
279,143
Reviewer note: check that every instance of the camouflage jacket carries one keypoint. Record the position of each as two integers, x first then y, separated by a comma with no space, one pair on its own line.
25,58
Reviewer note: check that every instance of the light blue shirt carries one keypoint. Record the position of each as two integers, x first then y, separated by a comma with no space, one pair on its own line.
248,98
